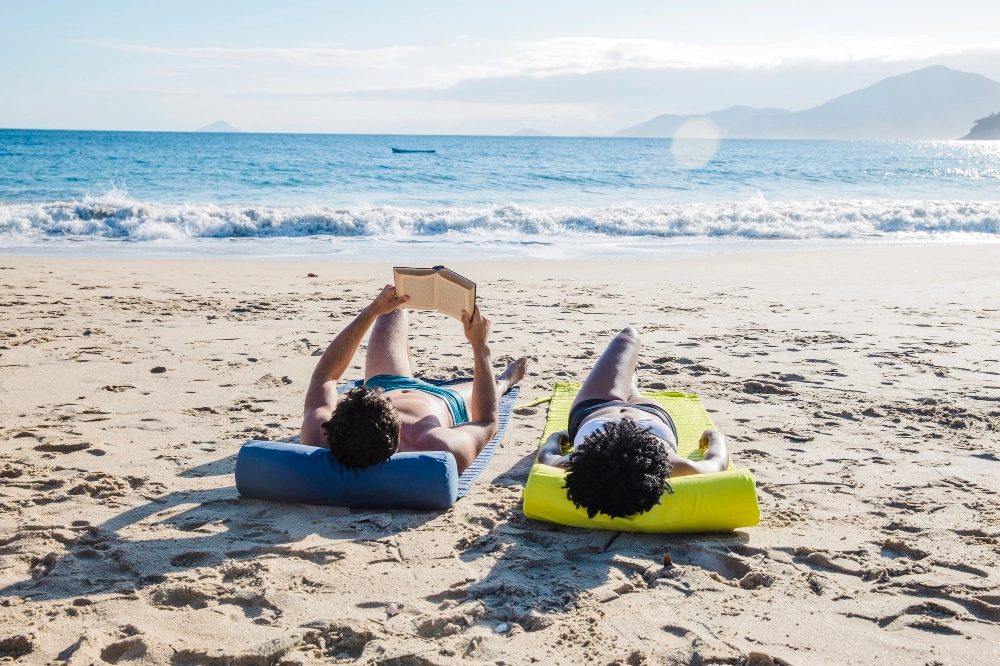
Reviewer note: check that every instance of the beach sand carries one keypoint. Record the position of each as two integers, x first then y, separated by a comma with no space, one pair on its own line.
861,386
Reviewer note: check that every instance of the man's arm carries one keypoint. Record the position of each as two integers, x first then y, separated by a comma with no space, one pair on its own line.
467,440
484,387
321,397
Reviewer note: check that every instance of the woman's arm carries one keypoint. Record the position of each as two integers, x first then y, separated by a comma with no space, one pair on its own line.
551,451
716,459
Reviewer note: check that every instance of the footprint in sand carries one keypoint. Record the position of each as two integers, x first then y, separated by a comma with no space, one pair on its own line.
13,648
62,446
195,559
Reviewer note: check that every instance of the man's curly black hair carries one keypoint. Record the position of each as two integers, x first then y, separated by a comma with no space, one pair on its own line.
620,470
364,428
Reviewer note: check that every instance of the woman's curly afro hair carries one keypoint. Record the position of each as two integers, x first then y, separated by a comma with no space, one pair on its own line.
364,428
619,471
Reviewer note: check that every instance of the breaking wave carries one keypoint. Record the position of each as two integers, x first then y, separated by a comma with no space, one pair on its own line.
116,216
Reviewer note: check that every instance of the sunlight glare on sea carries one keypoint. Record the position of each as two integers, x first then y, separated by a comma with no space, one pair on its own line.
695,143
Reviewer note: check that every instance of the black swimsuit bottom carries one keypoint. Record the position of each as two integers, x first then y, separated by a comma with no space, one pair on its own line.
585,408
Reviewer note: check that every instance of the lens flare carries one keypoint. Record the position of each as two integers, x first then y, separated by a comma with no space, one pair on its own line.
695,143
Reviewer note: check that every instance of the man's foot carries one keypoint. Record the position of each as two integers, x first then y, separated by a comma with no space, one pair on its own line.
513,374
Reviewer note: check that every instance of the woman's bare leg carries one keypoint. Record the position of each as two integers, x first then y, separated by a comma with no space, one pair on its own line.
633,391
613,376
389,346
636,398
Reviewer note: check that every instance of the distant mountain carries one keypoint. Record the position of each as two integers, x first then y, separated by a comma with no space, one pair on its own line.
931,103
527,131
664,126
985,128
221,126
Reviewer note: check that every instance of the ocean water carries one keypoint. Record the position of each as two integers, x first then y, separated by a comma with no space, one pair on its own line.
348,197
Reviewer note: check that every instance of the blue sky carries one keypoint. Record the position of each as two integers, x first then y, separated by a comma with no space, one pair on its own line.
449,67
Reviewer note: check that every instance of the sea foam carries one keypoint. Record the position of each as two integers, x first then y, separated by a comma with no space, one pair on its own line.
116,216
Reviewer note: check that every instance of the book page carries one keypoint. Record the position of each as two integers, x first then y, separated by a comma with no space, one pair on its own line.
452,276
420,289
453,298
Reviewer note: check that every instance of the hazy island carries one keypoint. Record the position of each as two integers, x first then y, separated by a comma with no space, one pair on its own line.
985,128
220,126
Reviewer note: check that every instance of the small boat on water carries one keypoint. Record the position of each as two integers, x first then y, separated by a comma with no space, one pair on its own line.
406,150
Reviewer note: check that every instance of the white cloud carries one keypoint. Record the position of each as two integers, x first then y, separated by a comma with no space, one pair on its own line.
400,72
586,55
314,55
448,65
174,70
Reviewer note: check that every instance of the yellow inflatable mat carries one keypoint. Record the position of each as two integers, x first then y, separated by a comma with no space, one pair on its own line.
700,503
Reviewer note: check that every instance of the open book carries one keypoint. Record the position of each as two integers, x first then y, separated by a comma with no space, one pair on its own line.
436,289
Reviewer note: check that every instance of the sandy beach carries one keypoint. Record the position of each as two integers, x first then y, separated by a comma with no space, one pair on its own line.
861,386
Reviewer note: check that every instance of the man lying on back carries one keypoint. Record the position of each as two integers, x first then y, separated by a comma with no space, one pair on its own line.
393,411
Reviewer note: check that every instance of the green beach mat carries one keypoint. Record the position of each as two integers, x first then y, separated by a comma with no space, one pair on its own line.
700,503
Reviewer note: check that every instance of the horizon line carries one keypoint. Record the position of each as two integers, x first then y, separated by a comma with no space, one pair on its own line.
483,136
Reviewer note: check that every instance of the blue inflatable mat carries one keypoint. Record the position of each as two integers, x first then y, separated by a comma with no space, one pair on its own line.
286,472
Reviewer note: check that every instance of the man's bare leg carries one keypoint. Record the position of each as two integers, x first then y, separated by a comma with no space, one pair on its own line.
389,346
510,377
613,376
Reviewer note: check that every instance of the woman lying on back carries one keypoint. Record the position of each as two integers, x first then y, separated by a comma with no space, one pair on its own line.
624,446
